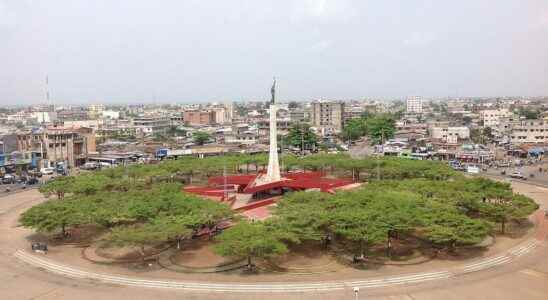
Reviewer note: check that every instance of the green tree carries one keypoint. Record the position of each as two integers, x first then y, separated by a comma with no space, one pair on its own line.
54,215
250,240
292,105
354,129
446,227
354,224
514,208
58,186
529,114
200,137
303,216
380,128
300,135
137,236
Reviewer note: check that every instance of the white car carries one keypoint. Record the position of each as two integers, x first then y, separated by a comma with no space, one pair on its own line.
47,171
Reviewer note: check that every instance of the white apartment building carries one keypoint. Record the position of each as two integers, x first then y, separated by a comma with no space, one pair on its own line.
414,105
450,134
528,131
492,117
44,116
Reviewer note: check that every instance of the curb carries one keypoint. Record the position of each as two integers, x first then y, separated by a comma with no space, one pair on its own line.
476,266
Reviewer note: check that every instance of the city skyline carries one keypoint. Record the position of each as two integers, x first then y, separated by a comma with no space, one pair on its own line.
190,52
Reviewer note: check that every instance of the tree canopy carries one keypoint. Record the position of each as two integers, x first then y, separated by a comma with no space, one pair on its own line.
250,240
300,135
200,137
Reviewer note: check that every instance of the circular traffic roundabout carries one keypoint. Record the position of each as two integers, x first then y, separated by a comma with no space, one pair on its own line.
291,275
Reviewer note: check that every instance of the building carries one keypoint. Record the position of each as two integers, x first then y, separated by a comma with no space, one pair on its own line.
151,125
220,115
73,114
450,134
528,131
110,114
298,115
492,117
414,105
198,117
44,116
328,115
93,124
95,111
53,146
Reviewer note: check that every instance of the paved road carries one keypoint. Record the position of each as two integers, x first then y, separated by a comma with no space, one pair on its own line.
526,277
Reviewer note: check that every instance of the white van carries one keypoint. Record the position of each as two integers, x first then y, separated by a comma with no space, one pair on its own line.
472,169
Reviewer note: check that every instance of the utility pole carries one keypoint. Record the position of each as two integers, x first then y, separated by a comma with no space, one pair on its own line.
378,158
302,141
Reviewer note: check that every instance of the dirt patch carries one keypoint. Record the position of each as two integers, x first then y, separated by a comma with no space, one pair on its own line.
127,253
198,254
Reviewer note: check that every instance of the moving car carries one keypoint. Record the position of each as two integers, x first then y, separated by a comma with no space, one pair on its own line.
518,175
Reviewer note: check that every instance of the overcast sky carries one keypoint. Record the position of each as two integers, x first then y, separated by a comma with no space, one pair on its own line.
196,51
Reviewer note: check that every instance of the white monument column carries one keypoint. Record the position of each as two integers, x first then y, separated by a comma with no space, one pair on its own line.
273,171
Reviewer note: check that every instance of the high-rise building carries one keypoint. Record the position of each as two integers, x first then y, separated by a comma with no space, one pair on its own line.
328,115
414,105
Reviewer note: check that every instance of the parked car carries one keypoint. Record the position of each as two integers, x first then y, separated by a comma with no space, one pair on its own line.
518,175
89,166
47,171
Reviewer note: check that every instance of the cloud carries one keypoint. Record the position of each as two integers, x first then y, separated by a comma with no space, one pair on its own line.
321,45
7,16
323,10
419,39
543,19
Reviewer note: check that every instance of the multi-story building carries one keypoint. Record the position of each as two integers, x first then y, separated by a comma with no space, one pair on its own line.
95,111
198,117
151,125
414,105
73,114
492,117
328,115
263,128
44,116
353,112
55,145
220,114
450,134
527,131
298,115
